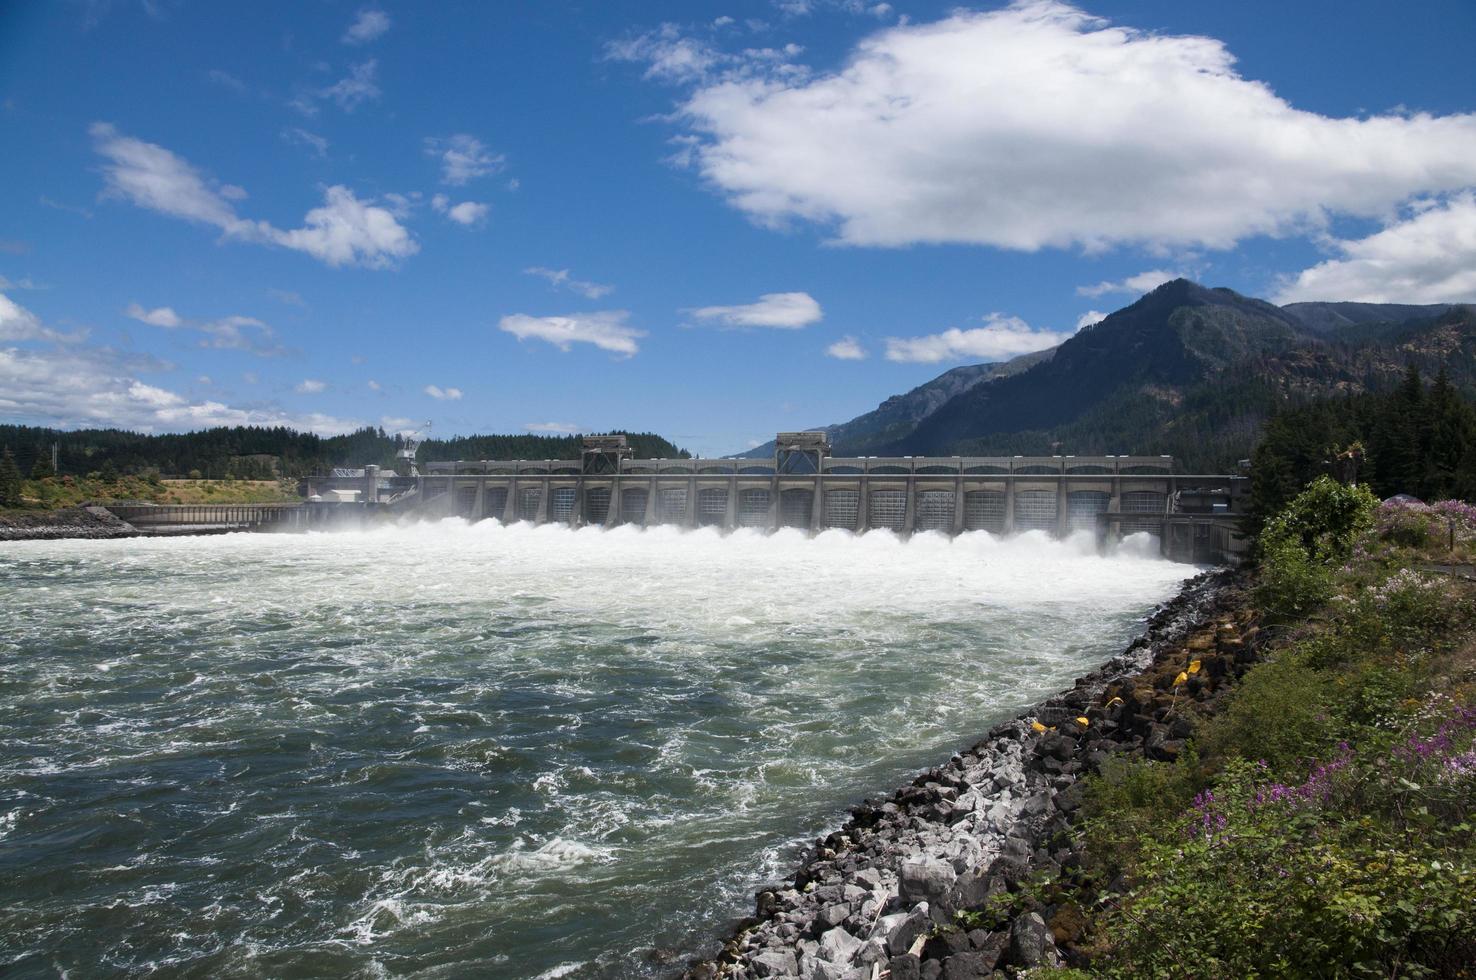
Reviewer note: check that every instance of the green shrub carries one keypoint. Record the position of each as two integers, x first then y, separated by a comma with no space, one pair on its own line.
1323,878
1292,583
1324,520
1283,714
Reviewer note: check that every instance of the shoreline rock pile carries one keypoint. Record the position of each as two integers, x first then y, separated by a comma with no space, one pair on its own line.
71,522
880,897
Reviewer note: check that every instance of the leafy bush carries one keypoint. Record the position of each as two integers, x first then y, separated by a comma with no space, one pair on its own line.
1324,520
1364,868
1292,583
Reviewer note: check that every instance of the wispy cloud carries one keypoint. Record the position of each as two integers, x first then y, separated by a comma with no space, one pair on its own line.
564,279
161,316
298,136
443,394
227,81
343,231
243,333
553,428
463,158
19,323
369,25
68,385
310,386
1143,282
606,330
785,311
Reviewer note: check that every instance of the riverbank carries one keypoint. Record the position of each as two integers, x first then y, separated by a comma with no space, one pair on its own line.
65,522
893,890
1278,779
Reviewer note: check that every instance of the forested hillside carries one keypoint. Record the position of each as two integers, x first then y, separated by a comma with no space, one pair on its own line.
1186,370
246,452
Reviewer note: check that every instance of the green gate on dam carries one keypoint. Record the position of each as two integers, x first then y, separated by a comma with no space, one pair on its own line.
803,486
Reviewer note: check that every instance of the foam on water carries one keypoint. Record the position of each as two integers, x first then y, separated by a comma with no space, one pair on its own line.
528,751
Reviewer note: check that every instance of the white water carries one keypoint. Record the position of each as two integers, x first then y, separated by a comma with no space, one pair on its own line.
526,750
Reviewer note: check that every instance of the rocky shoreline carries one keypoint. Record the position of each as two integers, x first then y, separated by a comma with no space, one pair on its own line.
70,522
880,897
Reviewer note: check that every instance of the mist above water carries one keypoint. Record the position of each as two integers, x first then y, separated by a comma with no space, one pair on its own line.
443,748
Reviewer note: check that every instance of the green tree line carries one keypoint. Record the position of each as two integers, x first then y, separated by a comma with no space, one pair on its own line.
264,453
1419,439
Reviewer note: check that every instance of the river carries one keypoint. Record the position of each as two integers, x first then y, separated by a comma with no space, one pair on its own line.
443,750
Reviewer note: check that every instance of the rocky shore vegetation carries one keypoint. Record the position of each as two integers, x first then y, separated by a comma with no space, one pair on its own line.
1276,779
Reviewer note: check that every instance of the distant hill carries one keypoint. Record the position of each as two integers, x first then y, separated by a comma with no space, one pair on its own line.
1186,370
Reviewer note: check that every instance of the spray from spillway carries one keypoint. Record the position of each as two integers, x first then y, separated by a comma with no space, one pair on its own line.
486,748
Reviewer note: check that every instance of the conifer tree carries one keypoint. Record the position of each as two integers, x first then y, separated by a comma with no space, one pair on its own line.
10,481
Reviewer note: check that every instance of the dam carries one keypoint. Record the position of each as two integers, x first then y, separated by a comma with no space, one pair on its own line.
803,486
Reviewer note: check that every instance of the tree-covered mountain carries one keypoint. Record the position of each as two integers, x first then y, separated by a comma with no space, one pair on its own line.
899,415
1186,370
250,452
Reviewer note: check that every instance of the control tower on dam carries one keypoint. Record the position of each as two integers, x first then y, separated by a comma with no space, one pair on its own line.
805,487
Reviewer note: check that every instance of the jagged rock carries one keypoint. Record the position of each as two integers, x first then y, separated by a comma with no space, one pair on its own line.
926,880
1030,942
839,946
968,966
905,967
905,933
774,963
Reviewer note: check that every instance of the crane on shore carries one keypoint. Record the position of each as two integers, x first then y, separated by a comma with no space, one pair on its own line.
410,446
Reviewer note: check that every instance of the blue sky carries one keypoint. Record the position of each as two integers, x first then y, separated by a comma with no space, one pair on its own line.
709,220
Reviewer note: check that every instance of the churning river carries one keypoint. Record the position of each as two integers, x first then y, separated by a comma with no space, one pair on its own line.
448,750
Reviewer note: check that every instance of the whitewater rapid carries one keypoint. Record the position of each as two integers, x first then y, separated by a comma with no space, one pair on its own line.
444,748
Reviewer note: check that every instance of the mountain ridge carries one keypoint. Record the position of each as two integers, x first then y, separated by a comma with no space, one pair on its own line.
1185,369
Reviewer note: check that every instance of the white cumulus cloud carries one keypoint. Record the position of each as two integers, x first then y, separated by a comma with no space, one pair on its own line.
785,311
606,330
846,349
443,394
1001,337
19,323
343,231
1039,125
1429,257
368,25
1090,317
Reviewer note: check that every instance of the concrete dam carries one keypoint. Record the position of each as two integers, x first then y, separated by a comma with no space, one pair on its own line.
805,487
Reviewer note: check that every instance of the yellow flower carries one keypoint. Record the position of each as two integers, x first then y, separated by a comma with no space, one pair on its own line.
1180,679
1194,666
1083,721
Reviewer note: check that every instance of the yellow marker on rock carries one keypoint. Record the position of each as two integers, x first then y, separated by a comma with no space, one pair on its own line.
1083,721
1112,702
1037,726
